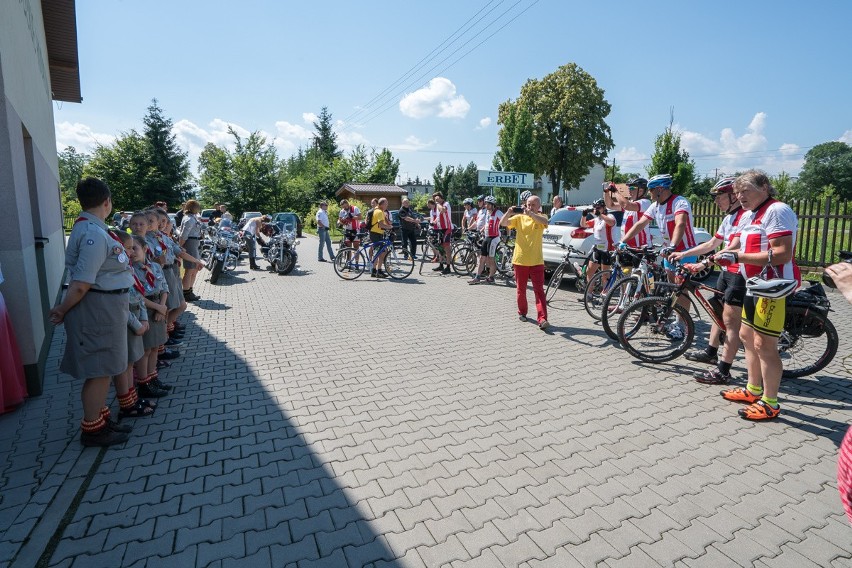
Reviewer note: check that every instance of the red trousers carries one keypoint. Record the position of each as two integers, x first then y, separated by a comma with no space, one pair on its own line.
536,274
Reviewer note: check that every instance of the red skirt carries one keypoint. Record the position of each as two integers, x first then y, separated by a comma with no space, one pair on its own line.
13,385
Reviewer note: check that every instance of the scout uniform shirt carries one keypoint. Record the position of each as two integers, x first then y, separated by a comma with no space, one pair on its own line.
95,257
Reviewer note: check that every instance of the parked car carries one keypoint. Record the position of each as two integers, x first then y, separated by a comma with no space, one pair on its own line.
250,215
172,218
289,218
205,216
564,229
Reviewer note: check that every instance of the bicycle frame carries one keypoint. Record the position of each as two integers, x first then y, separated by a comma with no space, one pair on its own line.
687,287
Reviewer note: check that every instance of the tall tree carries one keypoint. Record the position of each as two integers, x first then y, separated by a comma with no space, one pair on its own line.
568,112
670,158
827,164
168,164
443,178
517,151
384,167
325,139
124,166
465,183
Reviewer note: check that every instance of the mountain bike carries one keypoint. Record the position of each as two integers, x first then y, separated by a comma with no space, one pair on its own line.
351,262
566,268
603,281
807,344
465,253
646,278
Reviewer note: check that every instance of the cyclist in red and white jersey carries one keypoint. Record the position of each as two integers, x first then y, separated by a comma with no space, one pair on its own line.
349,220
491,217
633,208
444,225
731,285
469,215
766,240
673,215
603,227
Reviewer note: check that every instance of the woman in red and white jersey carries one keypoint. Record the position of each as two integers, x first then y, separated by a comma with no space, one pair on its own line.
491,217
767,238
633,209
603,230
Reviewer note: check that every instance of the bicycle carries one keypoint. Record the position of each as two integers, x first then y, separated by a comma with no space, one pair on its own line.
646,279
433,251
603,281
807,344
465,252
570,266
350,262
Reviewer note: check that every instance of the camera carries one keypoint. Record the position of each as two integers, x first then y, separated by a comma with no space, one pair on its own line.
845,256
586,212
518,209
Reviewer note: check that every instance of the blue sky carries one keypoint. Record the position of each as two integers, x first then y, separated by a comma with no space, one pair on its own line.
752,83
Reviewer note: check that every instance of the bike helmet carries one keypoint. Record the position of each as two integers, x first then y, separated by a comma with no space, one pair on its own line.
772,288
490,199
525,195
467,201
639,182
481,198
661,181
599,203
724,185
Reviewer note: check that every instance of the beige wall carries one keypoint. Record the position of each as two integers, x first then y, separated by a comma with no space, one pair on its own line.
32,241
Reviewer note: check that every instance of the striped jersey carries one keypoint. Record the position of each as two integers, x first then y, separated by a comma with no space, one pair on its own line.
665,214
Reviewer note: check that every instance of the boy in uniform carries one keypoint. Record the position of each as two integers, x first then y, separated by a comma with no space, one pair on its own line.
94,311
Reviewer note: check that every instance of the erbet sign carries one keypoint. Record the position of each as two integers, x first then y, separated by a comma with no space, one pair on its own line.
517,180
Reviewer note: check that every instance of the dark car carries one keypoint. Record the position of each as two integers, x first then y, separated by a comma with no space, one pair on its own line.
288,218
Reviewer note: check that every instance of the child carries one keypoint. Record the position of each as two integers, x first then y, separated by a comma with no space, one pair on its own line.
150,276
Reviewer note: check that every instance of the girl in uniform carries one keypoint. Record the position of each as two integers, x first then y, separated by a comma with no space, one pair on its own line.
190,237
156,292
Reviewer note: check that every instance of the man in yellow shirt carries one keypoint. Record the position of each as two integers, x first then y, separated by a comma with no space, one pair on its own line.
378,225
529,224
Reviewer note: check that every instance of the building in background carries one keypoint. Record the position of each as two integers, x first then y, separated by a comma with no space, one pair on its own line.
365,192
38,65
414,188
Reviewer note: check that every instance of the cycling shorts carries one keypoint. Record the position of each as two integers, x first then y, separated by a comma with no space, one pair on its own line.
376,237
351,235
601,256
685,260
732,287
445,235
489,246
765,315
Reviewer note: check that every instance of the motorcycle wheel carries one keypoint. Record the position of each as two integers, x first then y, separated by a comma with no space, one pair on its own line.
232,262
216,272
285,265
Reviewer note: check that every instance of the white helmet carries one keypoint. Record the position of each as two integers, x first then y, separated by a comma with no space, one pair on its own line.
772,288
525,195
491,199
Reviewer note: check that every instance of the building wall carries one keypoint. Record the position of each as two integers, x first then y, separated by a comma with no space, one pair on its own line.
31,240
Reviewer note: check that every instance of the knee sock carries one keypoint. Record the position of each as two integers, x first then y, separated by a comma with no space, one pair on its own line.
93,426
724,368
712,351
126,401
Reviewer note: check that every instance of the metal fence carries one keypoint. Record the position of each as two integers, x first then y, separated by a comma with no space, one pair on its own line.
825,228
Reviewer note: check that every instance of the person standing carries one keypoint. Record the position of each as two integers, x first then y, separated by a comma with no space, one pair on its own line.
410,226
378,225
529,224
557,205
97,299
633,209
251,230
190,239
323,228
444,227
490,216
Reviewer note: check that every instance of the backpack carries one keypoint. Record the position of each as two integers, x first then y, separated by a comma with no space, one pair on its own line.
369,219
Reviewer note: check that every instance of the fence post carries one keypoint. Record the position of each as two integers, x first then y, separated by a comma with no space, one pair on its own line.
824,241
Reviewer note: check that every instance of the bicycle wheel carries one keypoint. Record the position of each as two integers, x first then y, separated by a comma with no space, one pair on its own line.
596,290
622,294
464,260
398,265
554,283
642,330
808,343
349,263
503,258
428,254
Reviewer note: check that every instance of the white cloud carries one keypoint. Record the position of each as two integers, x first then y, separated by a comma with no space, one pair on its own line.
348,139
438,98
81,137
484,123
412,143
630,159
309,117
847,137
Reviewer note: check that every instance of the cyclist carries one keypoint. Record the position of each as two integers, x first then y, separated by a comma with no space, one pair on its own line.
731,286
469,216
674,218
633,208
444,226
378,226
348,219
602,228
491,217
767,237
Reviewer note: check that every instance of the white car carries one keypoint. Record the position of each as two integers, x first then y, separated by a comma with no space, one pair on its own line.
564,229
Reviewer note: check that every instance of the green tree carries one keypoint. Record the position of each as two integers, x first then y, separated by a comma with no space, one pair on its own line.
443,179
786,186
384,168
168,177
827,164
71,166
517,152
325,139
568,112
465,183
123,165
670,158
215,182
359,165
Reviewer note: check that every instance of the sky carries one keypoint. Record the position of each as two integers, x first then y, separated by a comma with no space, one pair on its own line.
750,83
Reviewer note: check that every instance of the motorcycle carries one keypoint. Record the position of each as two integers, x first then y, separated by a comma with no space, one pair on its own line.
224,254
280,249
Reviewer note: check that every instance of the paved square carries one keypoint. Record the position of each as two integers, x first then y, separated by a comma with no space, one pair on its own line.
317,422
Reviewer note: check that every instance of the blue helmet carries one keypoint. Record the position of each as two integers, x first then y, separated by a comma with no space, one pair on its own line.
661,181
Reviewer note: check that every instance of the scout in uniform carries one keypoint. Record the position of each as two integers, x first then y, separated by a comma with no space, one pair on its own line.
156,292
190,239
94,311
